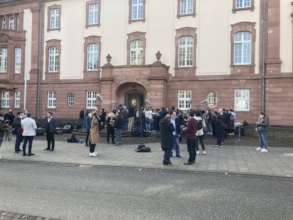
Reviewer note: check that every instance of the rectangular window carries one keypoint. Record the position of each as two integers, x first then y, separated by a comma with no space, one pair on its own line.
3,22
54,18
242,100
17,60
242,48
239,4
93,14
11,23
3,60
137,10
17,99
92,57
91,99
51,102
186,7
53,60
5,99
184,99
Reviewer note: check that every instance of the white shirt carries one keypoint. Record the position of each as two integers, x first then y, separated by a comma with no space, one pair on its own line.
29,127
149,114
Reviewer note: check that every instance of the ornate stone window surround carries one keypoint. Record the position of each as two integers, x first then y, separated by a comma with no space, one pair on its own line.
136,36
243,27
185,32
179,15
88,3
49,9
50,44
92,40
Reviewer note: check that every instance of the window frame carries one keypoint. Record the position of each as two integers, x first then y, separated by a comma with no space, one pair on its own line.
6,98
185,32
70,100
18,66
242,42
53,44
5,62
142,19
235,8
186,54
51,100
236,102
215,97
91,97
179,14
88,4
49,10
185,99
90,40
134,37
248,69
17,99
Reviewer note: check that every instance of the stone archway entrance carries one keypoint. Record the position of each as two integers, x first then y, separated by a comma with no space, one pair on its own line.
131,94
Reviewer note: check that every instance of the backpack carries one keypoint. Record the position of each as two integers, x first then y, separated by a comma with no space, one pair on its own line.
199,125
141,148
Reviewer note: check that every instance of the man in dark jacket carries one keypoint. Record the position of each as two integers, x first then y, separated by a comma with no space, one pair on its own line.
221,127
119,128
166,130
50,130
18,131
9,117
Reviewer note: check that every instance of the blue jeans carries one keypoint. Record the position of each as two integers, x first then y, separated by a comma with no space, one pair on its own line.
263,139
118,136
176,146
148,124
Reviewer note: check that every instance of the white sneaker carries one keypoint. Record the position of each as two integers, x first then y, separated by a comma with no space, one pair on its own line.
197,152
96,153
204,152
264,150
258,149
92,155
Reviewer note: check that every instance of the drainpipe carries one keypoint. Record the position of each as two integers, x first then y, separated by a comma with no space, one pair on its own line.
264,43
40,58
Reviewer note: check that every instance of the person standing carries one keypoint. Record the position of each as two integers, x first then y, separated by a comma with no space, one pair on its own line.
166,131
50,131
94,136
3,127
200,133
131,114
176,146
148,119
119,128
220,127
88,122
192,143
9,117
18,132
262,126
103,116
110,123
29,132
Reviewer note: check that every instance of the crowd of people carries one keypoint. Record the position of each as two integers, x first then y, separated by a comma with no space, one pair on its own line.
171,123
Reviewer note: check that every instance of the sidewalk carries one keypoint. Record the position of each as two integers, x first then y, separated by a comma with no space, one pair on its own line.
230,159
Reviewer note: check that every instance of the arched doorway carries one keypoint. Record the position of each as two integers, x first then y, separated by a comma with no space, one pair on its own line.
131,94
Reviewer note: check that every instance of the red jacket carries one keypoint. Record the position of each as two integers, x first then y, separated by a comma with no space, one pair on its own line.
191,128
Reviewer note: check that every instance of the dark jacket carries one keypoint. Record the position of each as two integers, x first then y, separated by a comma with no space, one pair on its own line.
51,125
119,122
17,125
191,128
166,129
2,129
9,117
263,124
221,125
88,121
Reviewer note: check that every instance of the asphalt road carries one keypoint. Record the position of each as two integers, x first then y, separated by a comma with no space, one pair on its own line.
98,193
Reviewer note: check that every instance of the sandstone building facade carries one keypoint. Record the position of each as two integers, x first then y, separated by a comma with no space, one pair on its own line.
58,55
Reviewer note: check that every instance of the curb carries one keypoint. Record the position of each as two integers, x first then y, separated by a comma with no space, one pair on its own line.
141,168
